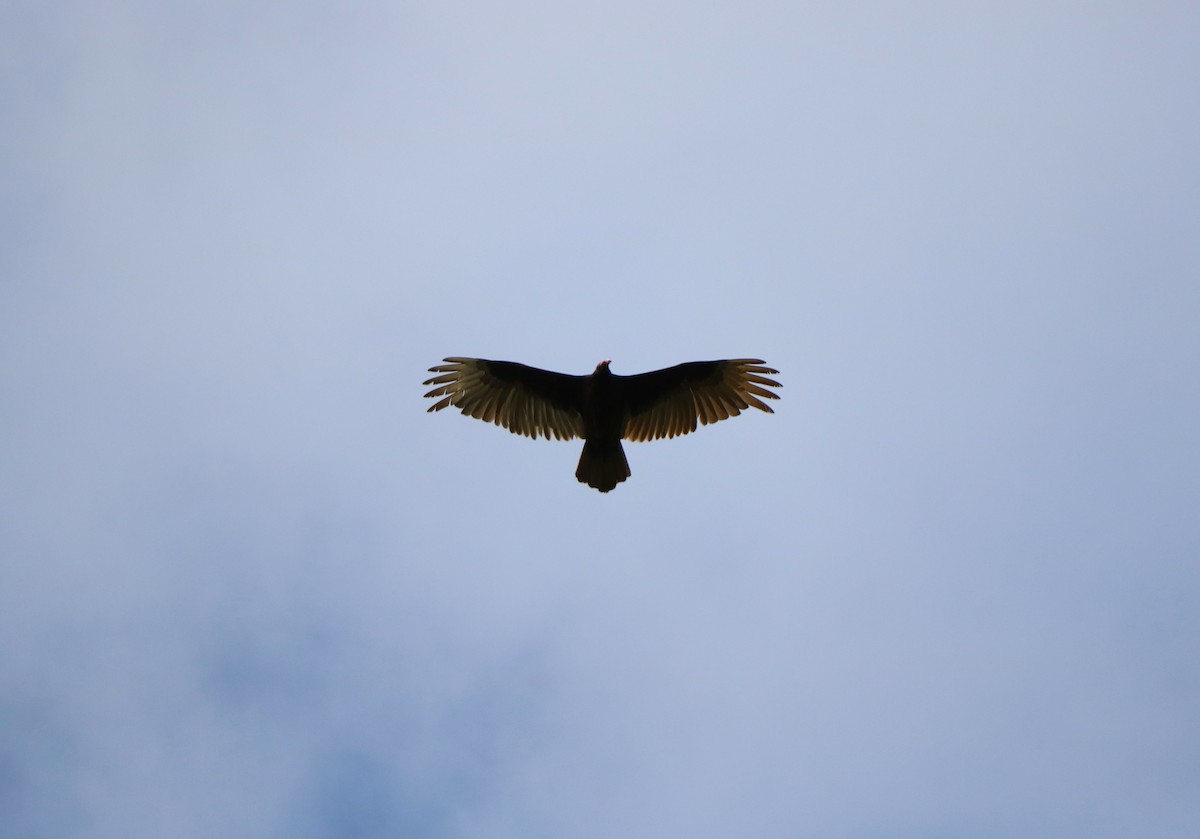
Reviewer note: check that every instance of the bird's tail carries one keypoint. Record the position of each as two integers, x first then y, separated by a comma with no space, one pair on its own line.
602,465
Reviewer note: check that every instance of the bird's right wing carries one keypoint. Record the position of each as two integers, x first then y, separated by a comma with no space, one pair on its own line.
523,399
666,403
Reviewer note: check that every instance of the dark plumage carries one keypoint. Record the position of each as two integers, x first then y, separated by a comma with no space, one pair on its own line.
602,408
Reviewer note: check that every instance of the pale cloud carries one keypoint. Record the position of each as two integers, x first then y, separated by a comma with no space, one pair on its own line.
251,589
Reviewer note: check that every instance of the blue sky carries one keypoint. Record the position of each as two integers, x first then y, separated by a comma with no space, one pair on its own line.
248,586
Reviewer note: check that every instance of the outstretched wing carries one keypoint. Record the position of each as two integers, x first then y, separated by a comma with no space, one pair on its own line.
666,403
525,400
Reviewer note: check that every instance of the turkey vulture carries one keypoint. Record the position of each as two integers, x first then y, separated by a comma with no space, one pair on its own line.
602,408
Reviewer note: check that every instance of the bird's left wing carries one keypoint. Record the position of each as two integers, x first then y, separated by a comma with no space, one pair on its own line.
666,403
523,399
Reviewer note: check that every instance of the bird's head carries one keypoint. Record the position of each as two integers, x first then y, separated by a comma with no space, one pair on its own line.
602,367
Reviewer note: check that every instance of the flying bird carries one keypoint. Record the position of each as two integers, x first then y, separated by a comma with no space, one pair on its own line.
602,408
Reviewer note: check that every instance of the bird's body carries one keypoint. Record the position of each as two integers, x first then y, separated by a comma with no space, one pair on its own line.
602,462
602,408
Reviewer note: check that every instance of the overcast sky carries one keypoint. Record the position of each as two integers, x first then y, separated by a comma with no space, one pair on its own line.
249,588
